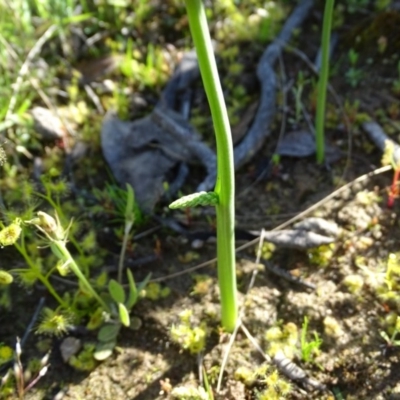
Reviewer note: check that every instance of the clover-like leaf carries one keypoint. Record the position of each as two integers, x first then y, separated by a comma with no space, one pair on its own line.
108,332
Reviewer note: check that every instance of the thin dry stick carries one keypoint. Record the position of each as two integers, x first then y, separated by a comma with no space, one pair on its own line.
234,333
285,365
285,224
226,354
25,67
93,96
200,358
255,343
8,47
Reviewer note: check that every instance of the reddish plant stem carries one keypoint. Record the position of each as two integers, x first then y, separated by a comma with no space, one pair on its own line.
393,193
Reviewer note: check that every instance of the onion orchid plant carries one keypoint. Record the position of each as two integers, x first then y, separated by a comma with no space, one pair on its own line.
224,192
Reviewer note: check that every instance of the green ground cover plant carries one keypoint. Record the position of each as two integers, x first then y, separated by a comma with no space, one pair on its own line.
309,348
114,303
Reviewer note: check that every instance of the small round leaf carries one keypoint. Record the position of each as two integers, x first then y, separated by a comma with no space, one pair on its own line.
108,332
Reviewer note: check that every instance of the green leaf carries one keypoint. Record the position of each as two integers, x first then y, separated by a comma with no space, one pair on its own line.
76,19
143,284
124,314
196,199
108,332
56,251
133,292
116,291
206,384
96,319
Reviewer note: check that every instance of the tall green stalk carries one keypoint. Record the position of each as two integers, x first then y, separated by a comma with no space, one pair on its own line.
225,185
323,81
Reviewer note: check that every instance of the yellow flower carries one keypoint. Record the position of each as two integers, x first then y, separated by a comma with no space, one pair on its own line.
6,354
5,278
10,234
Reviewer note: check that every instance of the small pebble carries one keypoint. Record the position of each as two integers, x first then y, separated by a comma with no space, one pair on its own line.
69,347
197,244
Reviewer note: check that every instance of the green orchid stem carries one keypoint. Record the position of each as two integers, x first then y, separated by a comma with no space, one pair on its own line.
323,81
76,270
225,185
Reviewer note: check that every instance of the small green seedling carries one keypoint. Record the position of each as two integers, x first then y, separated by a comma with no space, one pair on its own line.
207,385
129,221
309,349
353,75
391,340
298,93
122,304
113,201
